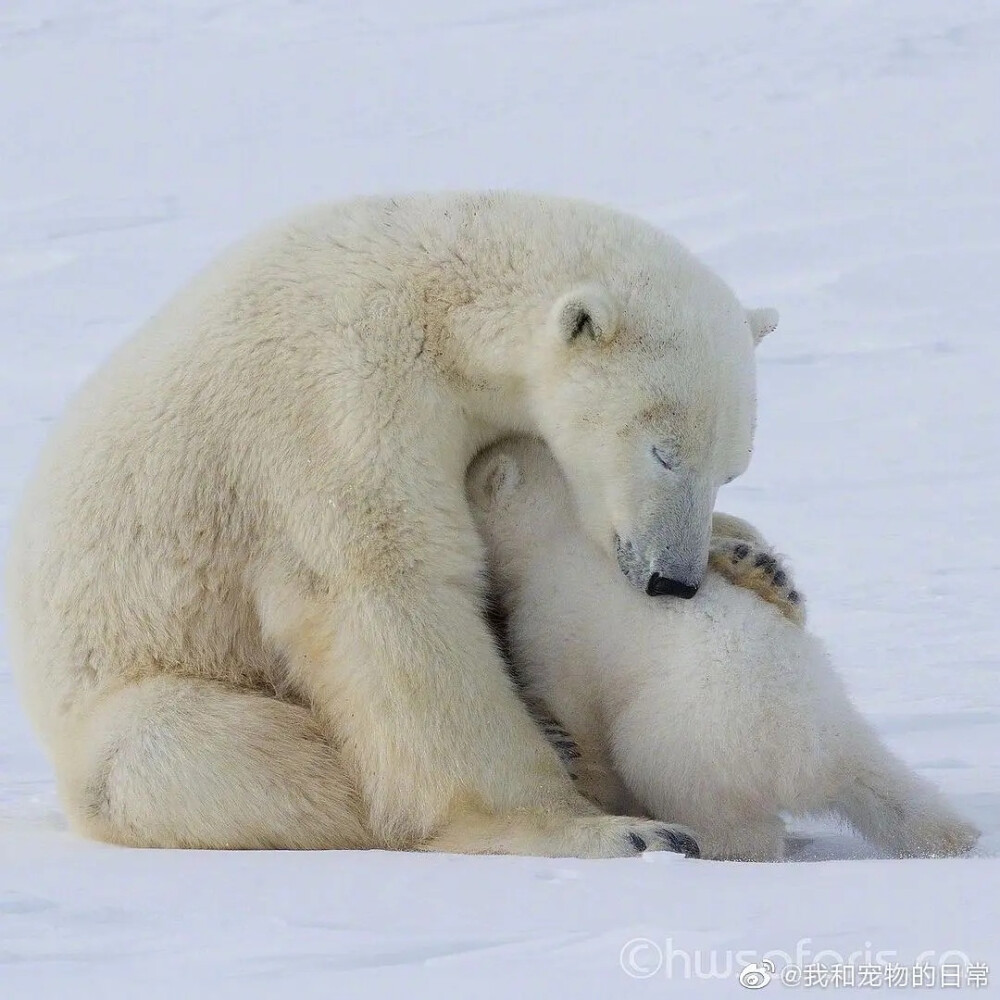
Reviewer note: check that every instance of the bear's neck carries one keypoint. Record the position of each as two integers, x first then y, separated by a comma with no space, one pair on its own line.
483,348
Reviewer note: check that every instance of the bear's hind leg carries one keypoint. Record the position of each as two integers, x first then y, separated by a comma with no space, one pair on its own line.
896,809
181,762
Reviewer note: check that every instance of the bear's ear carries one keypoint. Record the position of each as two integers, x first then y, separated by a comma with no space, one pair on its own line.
587,313
501,477
762,322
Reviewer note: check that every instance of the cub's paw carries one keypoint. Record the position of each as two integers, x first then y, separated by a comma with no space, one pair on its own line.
563,744
556,734
757,568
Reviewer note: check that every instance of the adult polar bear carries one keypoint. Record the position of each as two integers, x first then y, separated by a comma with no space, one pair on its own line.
245,585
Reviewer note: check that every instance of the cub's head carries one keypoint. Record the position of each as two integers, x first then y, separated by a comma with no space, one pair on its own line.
644,387
520,502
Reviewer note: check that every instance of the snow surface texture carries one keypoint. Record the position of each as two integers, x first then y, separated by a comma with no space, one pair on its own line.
839,160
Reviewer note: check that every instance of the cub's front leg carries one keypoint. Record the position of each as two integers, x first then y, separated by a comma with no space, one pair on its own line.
740,554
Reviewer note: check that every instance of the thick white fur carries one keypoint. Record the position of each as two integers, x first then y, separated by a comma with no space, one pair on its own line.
244,584
716,712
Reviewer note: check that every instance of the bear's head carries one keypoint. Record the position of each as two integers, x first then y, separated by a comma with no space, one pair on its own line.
644,388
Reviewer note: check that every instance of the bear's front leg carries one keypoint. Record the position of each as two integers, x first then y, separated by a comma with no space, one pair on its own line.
416,695
739,553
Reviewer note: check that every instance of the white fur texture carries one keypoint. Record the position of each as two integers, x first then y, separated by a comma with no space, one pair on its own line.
244,585
717,712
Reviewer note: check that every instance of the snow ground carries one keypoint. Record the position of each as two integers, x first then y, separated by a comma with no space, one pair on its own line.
836,159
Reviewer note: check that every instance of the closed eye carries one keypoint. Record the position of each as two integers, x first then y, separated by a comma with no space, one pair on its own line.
663,458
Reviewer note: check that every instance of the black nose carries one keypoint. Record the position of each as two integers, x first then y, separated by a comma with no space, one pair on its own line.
660,586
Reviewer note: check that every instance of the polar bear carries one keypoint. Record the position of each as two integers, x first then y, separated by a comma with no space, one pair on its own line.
244,583
719,712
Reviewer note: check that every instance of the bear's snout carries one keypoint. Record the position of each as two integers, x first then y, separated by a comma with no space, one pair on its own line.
657,576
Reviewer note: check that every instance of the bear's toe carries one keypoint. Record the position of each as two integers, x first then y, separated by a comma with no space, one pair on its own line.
680,842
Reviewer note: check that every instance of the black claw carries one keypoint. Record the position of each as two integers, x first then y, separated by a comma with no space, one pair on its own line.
766,562
780,578
741,551
637,842
682,843
794,597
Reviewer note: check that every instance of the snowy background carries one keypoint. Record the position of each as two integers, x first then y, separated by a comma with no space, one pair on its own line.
839,160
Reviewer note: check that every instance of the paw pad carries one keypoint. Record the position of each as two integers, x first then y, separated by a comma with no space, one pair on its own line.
765,562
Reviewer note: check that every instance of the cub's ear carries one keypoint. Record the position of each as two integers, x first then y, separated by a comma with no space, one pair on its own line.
500,476
762,322
587,313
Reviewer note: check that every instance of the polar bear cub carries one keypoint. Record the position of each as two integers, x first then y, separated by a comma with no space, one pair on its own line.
717,712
